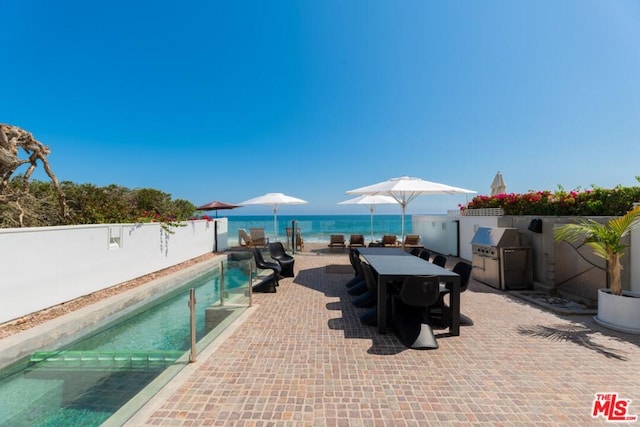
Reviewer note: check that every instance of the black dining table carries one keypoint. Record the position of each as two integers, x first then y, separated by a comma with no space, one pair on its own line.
394,265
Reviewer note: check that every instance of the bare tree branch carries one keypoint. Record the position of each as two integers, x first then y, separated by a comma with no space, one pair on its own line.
13,138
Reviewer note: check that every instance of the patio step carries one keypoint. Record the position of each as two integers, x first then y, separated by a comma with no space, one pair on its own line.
104,360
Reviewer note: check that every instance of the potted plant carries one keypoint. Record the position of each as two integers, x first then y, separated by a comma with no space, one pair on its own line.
617,309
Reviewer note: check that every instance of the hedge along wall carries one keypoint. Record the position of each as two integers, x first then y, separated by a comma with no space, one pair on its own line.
45,266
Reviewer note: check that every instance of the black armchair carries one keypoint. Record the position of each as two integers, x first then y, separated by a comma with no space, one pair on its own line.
410,317
268,285
286,261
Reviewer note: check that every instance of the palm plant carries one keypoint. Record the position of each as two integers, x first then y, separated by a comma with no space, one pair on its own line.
605,240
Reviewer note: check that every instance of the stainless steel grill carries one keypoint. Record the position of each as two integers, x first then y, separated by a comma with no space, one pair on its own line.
501,258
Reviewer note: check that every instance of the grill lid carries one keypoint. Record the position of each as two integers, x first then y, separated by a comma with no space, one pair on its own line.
496,236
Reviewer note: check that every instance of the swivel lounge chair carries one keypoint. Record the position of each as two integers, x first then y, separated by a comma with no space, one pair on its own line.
286,261
270,283
409,308
440,313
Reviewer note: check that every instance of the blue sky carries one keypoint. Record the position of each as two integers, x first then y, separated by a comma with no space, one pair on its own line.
212,100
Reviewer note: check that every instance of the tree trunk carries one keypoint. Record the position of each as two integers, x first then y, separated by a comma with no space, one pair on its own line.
615,269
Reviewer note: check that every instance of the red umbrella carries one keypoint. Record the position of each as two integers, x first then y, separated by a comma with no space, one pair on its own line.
216,206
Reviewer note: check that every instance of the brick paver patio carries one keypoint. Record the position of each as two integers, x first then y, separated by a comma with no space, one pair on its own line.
301,358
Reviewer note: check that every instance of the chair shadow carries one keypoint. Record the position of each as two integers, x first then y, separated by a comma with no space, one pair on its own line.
349,323
333,286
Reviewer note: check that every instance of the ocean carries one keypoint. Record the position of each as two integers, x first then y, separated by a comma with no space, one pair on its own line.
318,228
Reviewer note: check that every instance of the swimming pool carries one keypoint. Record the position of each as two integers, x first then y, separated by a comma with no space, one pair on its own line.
88,381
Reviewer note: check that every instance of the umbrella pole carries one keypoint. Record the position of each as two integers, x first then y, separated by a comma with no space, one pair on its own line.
371,209
403,207
275,222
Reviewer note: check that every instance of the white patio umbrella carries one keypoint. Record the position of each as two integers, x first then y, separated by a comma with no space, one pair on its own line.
405,189
370,202
497,185
275,200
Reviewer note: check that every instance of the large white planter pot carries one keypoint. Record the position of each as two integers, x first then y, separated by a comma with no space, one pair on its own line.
619,312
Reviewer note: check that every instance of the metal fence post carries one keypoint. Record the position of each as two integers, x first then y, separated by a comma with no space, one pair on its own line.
192,312
250,283
221,283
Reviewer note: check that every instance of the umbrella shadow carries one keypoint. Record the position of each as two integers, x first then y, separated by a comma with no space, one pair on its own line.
333,286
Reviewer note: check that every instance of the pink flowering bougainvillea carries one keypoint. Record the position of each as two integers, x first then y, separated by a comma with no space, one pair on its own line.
593,202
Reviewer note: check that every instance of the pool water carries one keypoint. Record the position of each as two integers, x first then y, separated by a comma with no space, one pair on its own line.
87,382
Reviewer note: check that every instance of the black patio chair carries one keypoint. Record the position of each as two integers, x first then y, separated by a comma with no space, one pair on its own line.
354,259
270,283
440,313
370,317
360,287
409,308
286,261
425,255
368,298
415,251
440,260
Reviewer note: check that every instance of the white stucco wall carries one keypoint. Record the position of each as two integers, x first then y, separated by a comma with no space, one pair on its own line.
45,266
635,260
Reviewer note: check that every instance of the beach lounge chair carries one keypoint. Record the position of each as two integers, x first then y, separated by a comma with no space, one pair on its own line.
286,261
412,241
337,241
389,240
356,240
299,240
258,237
243,238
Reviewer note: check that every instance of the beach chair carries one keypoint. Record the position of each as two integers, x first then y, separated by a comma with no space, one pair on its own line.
412,241
389,240
356,240
258,237
243,238
337,241
299,240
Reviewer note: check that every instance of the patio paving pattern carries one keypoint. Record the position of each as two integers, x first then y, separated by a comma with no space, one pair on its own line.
302,358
